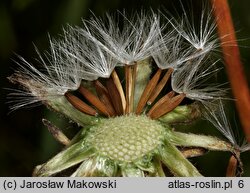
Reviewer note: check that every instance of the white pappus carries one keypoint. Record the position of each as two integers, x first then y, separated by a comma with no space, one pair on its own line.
54,79
94,50
127,39
220,120
192,79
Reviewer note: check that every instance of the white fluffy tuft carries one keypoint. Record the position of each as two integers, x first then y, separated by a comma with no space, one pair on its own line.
220,120
192,78
126,39
201,35
95,49
54,79
92,62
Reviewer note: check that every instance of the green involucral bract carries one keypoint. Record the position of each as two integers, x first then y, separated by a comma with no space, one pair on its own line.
142,77
182,114
61,105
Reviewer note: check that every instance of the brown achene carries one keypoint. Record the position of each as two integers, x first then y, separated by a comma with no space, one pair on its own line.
111,99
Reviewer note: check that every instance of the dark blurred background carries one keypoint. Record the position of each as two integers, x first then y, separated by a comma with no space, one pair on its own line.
24,141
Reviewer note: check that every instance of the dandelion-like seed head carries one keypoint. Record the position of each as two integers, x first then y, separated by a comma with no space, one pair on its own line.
124,80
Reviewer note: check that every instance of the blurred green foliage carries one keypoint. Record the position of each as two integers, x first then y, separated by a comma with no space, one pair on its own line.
24,142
